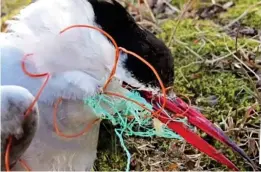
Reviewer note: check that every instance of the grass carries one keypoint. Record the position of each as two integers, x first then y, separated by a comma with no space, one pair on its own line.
215,71
222,91
251,10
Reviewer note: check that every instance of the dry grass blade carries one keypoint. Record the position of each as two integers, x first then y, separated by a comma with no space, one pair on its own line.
186,7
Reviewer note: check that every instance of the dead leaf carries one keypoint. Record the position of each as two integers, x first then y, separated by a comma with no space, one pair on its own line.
173,167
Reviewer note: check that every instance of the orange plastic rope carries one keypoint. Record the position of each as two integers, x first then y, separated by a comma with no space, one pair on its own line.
163,89
23,163
7,154
57,130
34,76
181,115
117,53
128,99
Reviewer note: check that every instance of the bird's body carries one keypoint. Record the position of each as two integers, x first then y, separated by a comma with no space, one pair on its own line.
79,61
47,150
15,101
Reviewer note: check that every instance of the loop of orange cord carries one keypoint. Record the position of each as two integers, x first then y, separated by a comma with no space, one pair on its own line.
117,53
30,107
163,89
34,76
57,130
25,165
188,107
9,143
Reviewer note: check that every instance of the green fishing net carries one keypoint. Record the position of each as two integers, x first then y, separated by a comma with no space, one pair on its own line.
129,118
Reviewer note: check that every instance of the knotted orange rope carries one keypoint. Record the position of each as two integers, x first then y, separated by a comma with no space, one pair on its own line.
47,75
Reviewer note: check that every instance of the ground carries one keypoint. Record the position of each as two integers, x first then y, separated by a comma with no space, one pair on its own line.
217,54
213,63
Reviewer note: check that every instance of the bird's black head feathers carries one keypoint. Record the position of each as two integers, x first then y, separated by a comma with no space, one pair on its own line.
115,20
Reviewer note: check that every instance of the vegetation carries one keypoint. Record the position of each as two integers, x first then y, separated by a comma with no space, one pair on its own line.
217,54
210,66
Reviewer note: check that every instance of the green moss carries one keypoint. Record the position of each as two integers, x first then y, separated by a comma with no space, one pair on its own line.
198,40
111,156
251,19
200,83
110,161
206,40
178,3
203,83
202,36
219,92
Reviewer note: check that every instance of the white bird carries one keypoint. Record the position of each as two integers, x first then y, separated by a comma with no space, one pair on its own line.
79,61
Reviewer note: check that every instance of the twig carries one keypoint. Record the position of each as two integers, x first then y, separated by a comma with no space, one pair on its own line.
187,6
242,15
213,1
233,54
171,6
149,23
189,49
224,57
150,11
258,96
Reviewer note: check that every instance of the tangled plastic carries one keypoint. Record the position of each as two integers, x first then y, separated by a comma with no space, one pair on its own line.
130,118
134,107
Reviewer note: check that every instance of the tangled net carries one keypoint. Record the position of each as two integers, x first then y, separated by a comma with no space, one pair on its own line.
140,113
136,112
130,118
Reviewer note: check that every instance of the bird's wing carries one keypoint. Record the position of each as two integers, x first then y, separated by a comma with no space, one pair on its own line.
78,60
71,85
39,25
15,100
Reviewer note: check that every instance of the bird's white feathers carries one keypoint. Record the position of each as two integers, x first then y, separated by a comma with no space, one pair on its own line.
39,25
15,100
79,62
73,85
80,57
